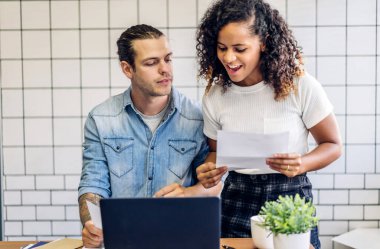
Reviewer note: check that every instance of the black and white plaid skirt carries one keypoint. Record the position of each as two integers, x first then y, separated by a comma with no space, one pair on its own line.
243,195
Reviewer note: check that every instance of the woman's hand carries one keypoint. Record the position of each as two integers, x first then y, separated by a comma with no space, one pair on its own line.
209,175
289,164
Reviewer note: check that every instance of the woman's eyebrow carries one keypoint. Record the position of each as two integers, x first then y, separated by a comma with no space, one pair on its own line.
234,45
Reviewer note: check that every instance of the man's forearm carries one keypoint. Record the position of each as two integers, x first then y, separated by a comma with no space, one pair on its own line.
83,209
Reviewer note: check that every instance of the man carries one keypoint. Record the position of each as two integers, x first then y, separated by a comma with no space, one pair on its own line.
145,142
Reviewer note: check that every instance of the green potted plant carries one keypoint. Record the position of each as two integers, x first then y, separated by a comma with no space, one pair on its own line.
290,220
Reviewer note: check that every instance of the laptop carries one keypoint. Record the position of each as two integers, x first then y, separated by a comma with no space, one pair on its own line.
161,223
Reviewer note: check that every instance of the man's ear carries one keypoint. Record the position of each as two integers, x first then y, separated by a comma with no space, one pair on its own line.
127,69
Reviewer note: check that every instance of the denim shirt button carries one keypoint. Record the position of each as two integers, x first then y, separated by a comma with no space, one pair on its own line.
117,147
182,149
150,178
152,148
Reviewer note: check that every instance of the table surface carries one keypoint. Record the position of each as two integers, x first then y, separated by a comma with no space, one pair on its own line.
237,243
368,238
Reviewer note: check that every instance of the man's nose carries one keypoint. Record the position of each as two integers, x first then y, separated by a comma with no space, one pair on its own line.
164,67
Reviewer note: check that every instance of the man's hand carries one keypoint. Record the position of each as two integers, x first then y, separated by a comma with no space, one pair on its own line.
172,190
209,175
92,236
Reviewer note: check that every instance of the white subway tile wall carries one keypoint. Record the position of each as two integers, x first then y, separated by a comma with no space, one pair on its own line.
36,227
58,60
50,212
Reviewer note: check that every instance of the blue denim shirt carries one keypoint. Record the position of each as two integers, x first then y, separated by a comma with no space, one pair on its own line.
123,158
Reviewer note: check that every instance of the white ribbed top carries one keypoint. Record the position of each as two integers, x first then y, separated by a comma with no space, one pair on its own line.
253,109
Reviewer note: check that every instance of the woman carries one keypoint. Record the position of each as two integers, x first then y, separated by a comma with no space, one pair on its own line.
256,84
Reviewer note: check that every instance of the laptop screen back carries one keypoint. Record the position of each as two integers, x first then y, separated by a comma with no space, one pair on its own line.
165,223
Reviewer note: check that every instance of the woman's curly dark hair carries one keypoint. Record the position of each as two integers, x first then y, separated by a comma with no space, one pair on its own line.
281,59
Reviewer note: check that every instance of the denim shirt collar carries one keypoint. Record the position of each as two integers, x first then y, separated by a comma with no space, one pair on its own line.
175,102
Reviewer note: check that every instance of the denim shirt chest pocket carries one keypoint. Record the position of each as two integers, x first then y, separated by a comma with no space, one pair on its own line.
181,155
119,152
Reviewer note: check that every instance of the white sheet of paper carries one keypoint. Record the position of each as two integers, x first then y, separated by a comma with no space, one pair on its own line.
239,150
95,214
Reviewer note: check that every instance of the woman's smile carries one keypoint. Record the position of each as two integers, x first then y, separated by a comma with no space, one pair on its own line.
233,68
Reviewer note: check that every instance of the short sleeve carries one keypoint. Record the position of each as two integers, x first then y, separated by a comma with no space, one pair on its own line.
314,102
211,126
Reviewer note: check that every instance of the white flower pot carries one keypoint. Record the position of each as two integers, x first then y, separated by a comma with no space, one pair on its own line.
292,241
262,238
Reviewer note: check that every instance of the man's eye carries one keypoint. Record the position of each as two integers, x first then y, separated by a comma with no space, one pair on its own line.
150,63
